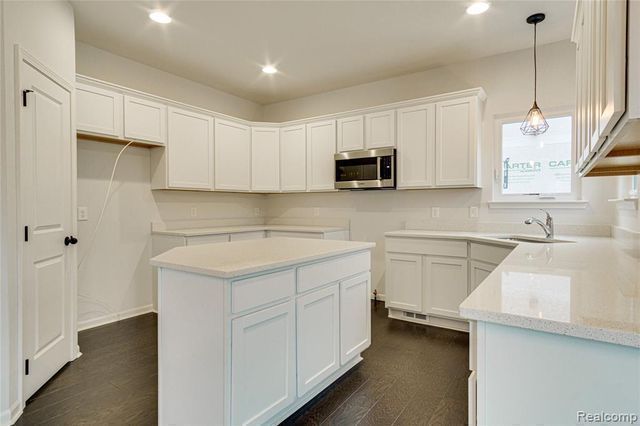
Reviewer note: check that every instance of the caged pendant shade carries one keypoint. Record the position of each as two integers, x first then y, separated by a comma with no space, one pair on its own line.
534,123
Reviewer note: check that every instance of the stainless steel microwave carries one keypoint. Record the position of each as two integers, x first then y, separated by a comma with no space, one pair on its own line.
366,169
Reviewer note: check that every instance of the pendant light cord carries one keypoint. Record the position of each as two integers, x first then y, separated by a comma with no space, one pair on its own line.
535,65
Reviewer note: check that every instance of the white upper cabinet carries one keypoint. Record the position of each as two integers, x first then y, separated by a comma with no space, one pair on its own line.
232,156
190,150
293,158
380,130
350,133
601,36
145,120
457,130
321,147
416,146
98,111
265,159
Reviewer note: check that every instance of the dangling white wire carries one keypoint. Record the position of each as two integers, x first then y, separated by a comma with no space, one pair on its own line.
104,207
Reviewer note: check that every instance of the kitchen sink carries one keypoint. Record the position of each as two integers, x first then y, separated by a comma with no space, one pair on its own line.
530,239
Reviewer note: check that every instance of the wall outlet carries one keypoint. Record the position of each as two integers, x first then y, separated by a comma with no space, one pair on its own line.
83,213
194,211
473,211
316,211
257,212
435,212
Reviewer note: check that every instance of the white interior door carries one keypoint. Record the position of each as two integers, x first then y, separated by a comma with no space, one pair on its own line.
46,209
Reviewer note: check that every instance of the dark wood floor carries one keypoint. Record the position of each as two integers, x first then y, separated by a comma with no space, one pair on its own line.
411,375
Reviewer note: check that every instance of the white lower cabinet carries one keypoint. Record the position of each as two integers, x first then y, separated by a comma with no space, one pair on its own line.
271,340
445,283
428,278
478,271
404,281
355,316
318,336
263,374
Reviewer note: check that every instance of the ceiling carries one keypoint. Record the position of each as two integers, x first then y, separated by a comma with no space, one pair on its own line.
317,45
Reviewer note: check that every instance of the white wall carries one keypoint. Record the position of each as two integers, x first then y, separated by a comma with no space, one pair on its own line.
507,79
107,66
46,30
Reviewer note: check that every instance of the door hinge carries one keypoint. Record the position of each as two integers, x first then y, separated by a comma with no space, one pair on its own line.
26,233
26,367
24,96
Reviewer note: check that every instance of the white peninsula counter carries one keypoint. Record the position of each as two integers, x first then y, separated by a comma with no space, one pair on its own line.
249,331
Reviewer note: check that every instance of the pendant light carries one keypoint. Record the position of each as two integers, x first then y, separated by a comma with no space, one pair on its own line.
534,123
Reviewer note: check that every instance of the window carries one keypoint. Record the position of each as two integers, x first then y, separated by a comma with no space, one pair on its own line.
536,165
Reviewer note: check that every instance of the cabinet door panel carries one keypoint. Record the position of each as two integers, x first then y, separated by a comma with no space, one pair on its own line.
416,146
293,158
99,111
232,156
380,130
479,271
445,285
145,120
321,147
404,281
350,133
190,150
355,316
456,142
265,159
318,321
263,375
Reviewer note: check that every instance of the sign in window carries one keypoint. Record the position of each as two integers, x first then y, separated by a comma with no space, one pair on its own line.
538,164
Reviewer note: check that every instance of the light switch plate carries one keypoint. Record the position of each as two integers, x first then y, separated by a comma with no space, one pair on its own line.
83,213
435,212
473,211
194,211
256,211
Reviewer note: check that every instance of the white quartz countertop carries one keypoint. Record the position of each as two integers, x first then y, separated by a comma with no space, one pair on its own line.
587,288
234,259
192,232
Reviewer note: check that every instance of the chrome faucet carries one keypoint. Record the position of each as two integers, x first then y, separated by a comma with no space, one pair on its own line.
547,226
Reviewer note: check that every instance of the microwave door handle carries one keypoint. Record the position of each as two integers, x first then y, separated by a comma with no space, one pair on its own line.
378,168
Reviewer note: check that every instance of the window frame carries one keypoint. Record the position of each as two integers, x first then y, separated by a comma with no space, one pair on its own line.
502,200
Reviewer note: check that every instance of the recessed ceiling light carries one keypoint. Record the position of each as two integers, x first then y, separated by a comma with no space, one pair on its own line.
269,69
160,17
476,8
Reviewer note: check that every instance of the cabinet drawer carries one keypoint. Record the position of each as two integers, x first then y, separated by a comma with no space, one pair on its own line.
488,253
426,246
207,239
318,274
257,291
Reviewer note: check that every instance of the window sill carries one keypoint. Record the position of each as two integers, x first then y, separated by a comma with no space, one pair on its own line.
540,204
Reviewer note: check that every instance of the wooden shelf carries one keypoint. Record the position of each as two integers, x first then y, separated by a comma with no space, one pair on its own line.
106,139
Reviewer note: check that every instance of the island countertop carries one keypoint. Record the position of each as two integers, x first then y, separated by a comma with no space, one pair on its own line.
213,230
234,259
587,288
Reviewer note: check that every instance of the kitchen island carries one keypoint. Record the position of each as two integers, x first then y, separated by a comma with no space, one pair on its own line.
249,331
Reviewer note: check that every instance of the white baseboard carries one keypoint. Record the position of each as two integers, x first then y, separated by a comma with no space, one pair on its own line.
380,297
116,316
11,415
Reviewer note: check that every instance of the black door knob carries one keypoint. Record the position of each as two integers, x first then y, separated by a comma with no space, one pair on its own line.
70,240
